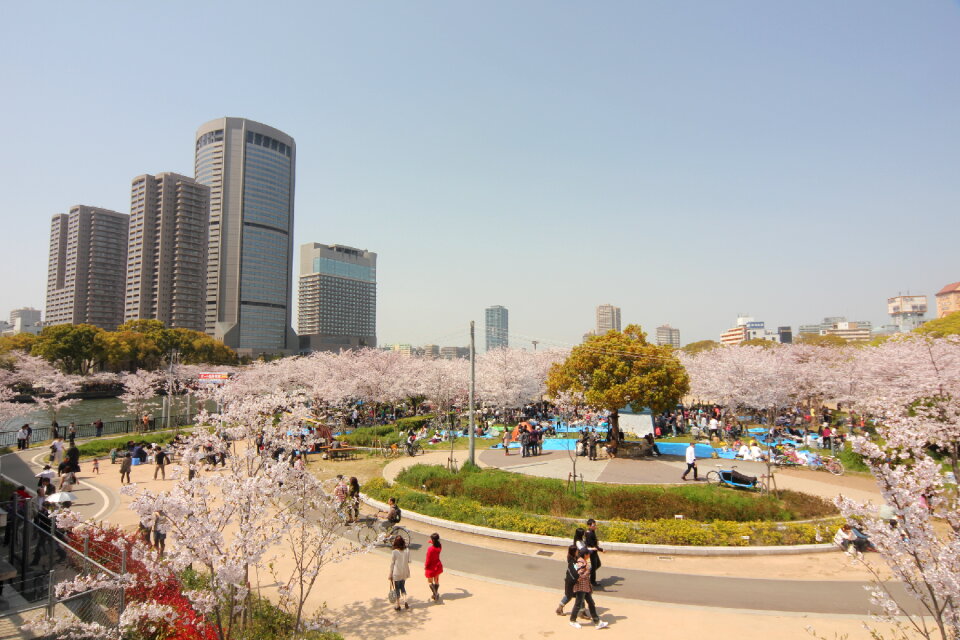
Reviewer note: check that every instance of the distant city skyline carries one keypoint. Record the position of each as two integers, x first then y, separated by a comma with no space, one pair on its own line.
757,158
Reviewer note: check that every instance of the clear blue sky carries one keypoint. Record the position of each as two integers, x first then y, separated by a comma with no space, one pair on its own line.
683,160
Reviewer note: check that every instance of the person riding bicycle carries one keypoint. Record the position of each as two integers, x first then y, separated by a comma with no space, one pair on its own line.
411,440
393,516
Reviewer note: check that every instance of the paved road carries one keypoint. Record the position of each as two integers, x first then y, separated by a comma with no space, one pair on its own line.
806,596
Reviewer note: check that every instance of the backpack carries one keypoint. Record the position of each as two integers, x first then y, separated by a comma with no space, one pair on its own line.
396,518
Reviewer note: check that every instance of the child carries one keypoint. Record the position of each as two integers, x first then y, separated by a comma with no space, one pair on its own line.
96,466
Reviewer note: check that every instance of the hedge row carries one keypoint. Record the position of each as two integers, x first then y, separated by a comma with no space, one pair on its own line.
663,531
547,496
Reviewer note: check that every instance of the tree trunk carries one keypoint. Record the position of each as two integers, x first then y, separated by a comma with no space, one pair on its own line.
615,427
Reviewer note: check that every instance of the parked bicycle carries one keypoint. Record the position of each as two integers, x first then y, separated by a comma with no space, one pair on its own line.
818,463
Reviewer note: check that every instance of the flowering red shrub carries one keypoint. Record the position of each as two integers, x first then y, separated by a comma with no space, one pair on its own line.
106,547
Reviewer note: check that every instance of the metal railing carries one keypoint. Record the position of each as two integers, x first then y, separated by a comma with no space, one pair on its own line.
42,434
43,558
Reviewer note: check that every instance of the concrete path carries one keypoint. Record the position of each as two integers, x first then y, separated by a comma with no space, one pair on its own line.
807,596
99,499
95,500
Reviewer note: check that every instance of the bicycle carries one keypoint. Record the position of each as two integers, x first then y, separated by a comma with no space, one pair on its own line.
372,533
414,449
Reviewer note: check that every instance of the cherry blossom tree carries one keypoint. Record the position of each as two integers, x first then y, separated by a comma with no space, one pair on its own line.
140,387
911,387
51,387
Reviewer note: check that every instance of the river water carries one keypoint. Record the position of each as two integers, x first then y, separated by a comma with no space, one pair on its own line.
87,412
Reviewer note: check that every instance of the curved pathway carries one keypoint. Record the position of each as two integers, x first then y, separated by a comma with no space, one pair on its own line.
95,500
546,568
543,569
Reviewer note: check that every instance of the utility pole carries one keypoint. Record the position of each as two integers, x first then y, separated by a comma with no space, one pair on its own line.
473,384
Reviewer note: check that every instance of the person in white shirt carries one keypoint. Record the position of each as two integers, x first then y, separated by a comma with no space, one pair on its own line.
755,452
744,452
400,571
691,457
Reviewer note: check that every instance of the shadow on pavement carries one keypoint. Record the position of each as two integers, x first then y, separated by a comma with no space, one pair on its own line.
608,583
376,620
463,593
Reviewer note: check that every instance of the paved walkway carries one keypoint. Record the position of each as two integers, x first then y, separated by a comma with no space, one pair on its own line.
95,500
543,569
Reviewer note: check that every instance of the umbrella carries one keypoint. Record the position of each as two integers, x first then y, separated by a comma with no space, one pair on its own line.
62,496
49,473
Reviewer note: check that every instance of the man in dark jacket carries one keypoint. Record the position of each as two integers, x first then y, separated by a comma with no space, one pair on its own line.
590,540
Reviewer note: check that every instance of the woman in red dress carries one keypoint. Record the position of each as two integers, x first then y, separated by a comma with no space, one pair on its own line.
432,565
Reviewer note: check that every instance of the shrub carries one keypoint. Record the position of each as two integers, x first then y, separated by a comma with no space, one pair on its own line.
852,461
101,447
655,531
547,496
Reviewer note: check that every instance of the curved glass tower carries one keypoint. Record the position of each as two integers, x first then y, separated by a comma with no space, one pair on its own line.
250,170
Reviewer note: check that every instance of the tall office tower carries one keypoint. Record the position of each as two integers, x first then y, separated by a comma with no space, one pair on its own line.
249,168
85,272
167,251
498,327
608,319
338,298
667,335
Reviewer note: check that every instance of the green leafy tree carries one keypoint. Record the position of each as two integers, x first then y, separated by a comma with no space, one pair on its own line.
828,340
618,369
702,345
18,342
946,326
75,348
127,350
759,342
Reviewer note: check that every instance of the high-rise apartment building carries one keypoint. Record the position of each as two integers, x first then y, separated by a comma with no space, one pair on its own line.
250,169
497,327
907,312
667,335
431,351
86,267
608,319
167,251
338,298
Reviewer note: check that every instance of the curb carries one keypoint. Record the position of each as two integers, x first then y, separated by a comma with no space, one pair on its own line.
628,547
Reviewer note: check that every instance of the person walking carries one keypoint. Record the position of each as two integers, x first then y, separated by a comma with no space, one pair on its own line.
570,578
584,592
125,465
57,450
98,426
72,434
400,571
353,500
592,544
691,457
432,567
506,441
160,460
